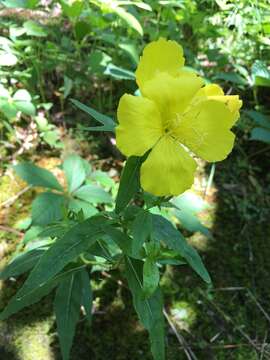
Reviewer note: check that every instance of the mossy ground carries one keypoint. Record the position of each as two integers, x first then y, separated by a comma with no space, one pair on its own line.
229,320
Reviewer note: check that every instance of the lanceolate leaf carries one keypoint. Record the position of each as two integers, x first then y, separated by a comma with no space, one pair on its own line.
64,250
87,296
17,303
150,276
122,240
37,176
163,230
141,230
129,183
107,123
149,310
21,263
67,305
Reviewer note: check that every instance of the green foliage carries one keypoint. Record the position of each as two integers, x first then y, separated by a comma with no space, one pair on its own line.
65,242
129,183
68,300
36,176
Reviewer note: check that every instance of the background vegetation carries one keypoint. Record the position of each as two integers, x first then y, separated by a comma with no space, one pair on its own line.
55,51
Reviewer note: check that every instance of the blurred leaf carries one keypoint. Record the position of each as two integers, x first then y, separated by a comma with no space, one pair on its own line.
188,205
260,134
164,231
25,4
129,183
130,19
131,50
75,172
87,295
231,77
119,73
259,118
37,176
141,230
260,74
68,84
77,205
93,194
47,208
34,29
4,93
52,138
123,241
25,107
82,28
150,276
72,8
102,178
32,234
22,95
107,123
139,4
7,59
21,263
149,310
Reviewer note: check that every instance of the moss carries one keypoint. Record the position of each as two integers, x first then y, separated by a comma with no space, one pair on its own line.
26,342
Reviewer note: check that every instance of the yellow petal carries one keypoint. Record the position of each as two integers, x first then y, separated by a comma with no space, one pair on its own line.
214,92
172,94
139,125
168,170
205,129
159,56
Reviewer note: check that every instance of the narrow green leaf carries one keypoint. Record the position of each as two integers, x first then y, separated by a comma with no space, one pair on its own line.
130,20
21,263
163,230
87,295
37,176
119,73
107,123
150,276
75,171
129,183
141,230
93,194
67,305
47,208
74,242
17,303
122,240
150,311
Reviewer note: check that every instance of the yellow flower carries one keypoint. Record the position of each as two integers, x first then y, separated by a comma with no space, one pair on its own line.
176,117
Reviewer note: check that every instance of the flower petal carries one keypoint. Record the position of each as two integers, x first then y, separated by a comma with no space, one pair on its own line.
172,94
214,92
205,129
168,170
139,125
159,56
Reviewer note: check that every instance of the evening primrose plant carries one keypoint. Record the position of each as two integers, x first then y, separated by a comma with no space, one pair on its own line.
175,119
